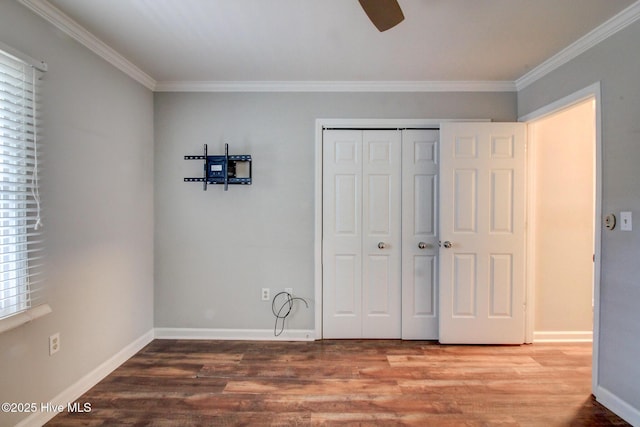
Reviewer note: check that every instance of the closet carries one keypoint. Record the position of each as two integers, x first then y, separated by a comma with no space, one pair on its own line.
380,247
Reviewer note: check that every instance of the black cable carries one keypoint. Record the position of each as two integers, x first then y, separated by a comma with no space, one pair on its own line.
288,302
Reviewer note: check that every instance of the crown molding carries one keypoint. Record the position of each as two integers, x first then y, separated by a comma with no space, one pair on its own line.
64,23
618,22
335,86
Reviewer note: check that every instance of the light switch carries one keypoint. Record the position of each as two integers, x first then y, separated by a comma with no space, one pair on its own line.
626,223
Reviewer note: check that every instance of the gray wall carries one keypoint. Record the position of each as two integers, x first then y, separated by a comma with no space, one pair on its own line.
97,179
616,64
214,250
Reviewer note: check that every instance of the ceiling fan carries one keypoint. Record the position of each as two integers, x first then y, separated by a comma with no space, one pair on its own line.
384,14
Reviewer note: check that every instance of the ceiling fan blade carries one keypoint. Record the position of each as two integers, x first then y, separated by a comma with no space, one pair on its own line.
384,14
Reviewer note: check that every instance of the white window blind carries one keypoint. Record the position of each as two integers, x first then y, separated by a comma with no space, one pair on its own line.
20,223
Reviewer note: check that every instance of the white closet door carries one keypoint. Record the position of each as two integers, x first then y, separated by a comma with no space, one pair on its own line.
342,234
381,243
419,234
482,225
361,234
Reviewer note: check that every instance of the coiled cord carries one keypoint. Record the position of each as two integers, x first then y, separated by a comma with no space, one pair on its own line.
287,306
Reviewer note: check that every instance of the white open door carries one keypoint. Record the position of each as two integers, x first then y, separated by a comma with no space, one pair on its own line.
482,230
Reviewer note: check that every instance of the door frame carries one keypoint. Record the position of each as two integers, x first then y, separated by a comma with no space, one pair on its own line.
322,124
590,92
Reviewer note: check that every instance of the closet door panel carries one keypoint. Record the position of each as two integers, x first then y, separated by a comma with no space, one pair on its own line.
419,234
381,243
342,234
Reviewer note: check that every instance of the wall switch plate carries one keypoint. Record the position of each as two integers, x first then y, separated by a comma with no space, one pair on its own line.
626,223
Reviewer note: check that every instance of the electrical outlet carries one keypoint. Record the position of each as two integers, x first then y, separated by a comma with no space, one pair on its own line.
289,291
265,294
54,343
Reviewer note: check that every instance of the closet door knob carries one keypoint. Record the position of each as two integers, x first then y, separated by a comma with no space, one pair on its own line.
422,245
447,244
381,245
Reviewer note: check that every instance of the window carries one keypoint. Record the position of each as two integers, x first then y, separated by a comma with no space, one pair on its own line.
20,239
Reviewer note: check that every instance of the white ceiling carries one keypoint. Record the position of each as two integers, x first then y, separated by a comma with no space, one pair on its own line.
333,40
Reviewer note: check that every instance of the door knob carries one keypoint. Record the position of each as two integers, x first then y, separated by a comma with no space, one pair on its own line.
381,245
422,245
447,244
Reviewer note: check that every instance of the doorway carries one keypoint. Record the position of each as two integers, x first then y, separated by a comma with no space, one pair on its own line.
562,215
590,94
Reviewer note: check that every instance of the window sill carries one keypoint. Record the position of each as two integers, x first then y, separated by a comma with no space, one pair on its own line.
23,317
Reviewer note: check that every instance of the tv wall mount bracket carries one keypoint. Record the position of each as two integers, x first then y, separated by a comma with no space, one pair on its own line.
223,169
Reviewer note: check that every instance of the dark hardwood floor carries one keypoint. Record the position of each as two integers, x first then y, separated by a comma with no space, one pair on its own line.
345,382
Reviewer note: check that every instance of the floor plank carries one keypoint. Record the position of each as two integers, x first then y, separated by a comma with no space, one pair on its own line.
346,382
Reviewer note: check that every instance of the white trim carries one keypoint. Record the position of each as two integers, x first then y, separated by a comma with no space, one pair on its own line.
600,33
335,86
592,91
562,336
563,103
317,240
530,235
234,334
83,385
385,123
18,319
61,21
621,408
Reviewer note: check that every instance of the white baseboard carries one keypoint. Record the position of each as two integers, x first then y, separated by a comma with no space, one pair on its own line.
85,383
234,334
618,406
562,336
